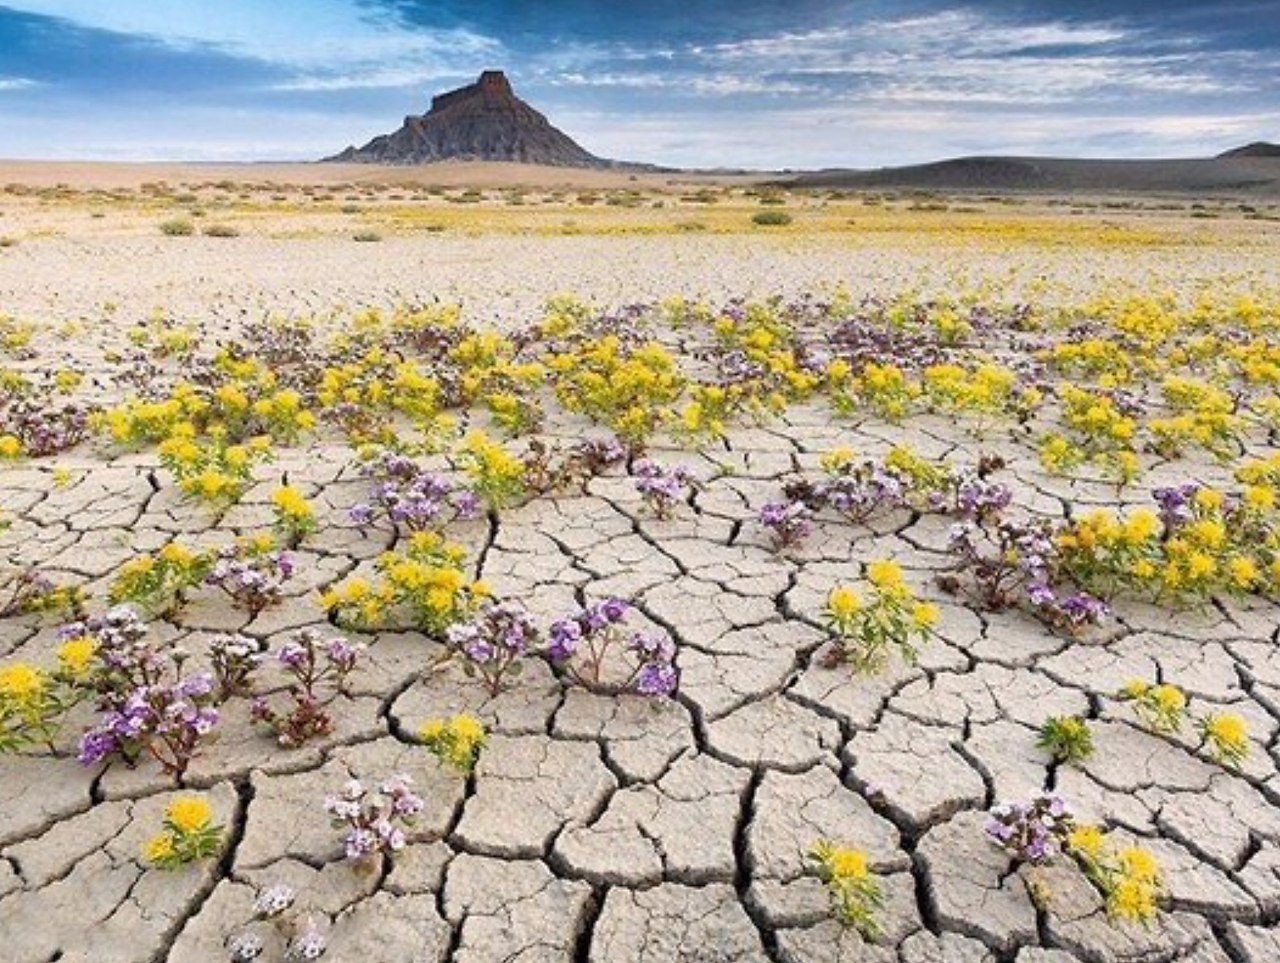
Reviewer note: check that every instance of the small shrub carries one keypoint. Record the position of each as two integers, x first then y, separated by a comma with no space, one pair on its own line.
772,219
1066,739
221,230
367,237
177,227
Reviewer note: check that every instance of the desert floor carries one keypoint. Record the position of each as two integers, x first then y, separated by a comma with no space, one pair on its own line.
610,827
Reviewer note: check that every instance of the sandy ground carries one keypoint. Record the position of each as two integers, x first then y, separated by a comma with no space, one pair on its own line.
469,174
601,828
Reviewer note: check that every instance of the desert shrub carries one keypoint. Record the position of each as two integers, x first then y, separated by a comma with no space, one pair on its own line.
178,227
367,236
772,218
221,230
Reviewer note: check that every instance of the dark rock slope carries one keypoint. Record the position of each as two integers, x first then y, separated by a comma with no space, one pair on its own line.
484,121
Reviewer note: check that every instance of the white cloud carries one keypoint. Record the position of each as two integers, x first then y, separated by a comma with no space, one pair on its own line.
16,83
718,85
956,56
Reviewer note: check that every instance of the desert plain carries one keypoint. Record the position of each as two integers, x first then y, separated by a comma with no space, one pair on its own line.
408,309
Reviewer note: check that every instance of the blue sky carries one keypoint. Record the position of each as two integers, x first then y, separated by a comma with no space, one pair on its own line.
803,83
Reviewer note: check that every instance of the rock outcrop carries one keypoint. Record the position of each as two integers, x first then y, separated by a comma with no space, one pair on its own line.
483,121
1258,148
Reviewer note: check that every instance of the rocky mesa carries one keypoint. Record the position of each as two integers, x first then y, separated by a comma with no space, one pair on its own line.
484,121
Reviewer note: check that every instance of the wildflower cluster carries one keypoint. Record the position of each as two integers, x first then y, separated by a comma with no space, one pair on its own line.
549,470
628,389
486,367
30,592
36,428
276,905
856,894
252,574
147,704
859,491
190,834
412,499
1103,430
295,516
494,643
1199,542
892,619
496,476
581,644
234,660
375,820
1000,564
319,669
456,742
425,580
158,584
168,720
212,470
1040,831
34,702
1203,416
1129,877
1036,832
662,487
986,391
1163,709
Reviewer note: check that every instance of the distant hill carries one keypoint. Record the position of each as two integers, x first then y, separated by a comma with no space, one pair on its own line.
1251,173
1259,148
484,121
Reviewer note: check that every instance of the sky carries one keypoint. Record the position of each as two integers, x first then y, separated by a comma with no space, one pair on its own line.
696,83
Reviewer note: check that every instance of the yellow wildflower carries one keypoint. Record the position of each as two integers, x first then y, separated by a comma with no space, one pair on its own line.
838,460
885,575
189,814
925,615
1135,689
1139,864
292,503
159,849
1088,841
22,683
469,728
1244,573
843,603
1133,900
77,655
1144,570
1227,736
1142,525
1260,498
1209,499
1170,699
848,864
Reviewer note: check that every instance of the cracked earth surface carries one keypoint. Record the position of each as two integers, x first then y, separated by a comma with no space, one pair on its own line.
608,829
